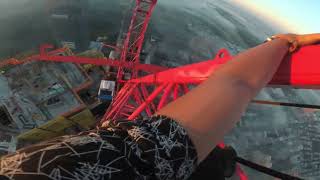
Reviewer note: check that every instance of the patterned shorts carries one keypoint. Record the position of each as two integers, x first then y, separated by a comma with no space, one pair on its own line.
155,148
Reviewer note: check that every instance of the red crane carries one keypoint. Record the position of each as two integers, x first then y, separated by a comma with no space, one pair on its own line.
133,43
143,96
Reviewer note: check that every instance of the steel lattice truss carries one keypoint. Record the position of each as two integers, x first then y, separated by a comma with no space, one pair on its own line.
143,96
133,43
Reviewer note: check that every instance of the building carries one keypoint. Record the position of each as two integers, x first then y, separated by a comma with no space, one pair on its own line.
42,95
68,21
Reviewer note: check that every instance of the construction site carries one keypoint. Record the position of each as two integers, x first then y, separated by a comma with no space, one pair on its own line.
67,87
43,100
41,93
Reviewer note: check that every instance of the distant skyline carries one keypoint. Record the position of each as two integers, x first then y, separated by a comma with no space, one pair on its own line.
296,16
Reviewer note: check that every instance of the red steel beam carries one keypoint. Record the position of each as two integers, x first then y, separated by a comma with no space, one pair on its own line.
153,95
302,65
185,88
139,100
125,114
176,92
102,62
300,69
10,61
240,173
117,105
13,61
129,106
146,94
133,43
165,95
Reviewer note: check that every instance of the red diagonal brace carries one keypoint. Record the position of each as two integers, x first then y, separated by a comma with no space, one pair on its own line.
147,102
165,95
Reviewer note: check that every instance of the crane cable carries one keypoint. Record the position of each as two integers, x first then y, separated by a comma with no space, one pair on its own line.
265,170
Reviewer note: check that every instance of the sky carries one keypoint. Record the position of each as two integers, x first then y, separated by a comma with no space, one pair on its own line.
296,16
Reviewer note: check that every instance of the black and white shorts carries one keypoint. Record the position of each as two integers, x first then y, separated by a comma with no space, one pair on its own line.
155,148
